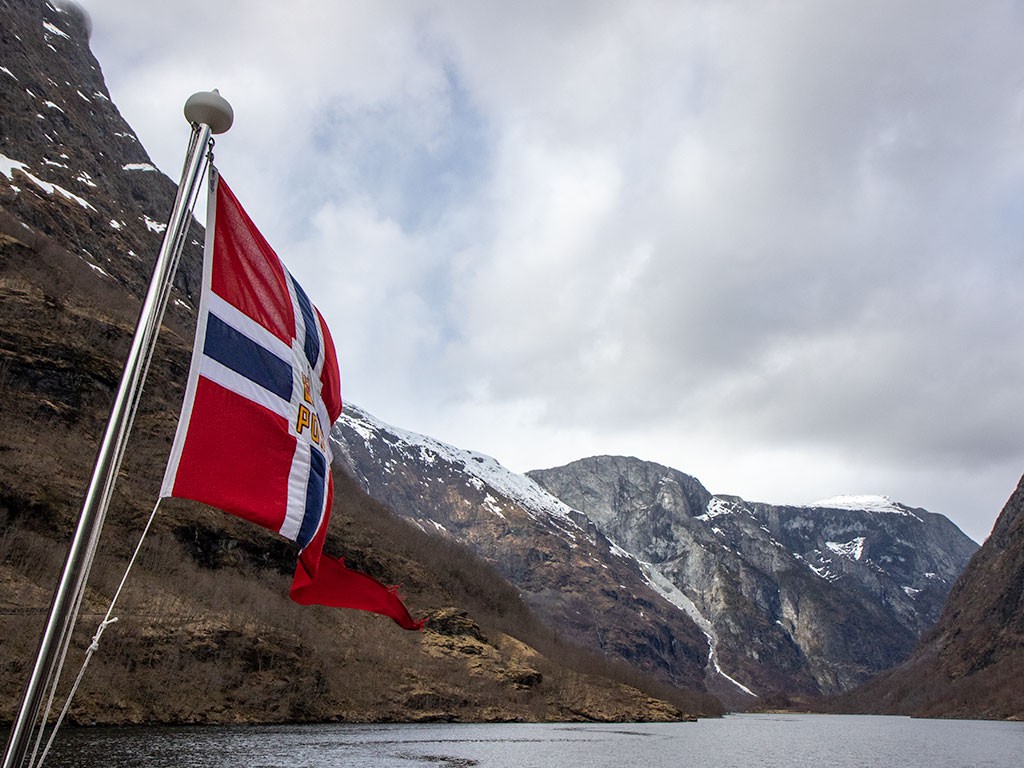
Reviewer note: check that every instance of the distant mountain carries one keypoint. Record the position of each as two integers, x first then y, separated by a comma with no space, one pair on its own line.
795,600
770,602
970,665
798,601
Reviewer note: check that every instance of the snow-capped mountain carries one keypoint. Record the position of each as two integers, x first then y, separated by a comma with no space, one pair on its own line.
808,599
641,561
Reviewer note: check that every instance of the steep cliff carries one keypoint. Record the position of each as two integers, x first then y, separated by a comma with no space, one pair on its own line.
971,663
71,168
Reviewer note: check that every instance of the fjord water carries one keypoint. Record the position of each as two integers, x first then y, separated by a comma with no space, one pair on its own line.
767,741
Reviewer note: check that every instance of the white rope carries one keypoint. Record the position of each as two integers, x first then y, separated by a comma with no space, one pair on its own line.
108,619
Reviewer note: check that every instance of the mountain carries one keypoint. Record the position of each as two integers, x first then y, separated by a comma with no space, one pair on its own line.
762,603
206,632
970,664
798,601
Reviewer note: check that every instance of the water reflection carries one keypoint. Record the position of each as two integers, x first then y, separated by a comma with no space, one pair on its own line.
771,741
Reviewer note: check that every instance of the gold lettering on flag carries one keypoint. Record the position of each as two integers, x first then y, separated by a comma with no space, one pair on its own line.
307,417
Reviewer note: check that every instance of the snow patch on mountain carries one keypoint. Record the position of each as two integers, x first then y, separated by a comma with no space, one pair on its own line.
664,587
9,166
54,29
483,469
153,226
716,508
852,549
866,503
100,270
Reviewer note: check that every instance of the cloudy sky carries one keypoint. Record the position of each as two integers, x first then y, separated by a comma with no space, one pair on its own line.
777,246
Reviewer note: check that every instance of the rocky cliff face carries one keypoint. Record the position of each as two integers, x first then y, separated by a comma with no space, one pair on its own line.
797,600
71,168
971,663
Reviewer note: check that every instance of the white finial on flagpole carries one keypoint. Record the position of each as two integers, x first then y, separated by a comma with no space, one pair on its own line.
209,108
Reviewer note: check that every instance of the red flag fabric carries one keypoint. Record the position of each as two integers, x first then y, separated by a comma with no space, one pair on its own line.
263,391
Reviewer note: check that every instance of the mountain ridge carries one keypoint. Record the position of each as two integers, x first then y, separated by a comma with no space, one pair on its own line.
552,554
835,568
768,576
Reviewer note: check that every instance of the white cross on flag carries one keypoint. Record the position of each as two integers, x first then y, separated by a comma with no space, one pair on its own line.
263,391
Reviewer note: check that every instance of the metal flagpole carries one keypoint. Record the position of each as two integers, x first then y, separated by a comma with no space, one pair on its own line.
208,113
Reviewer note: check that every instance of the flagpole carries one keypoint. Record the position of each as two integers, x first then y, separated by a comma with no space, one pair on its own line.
208,113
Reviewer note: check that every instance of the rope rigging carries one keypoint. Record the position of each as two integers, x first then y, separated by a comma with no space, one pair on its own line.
107,620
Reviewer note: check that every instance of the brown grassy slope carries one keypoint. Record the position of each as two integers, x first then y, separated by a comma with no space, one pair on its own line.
206,632
970,665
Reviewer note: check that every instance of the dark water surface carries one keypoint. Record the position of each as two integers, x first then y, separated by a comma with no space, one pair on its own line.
767,741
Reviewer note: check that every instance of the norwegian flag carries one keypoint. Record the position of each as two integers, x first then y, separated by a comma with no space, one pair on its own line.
263,391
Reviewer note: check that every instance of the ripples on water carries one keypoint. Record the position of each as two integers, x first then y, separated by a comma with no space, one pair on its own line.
766,741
